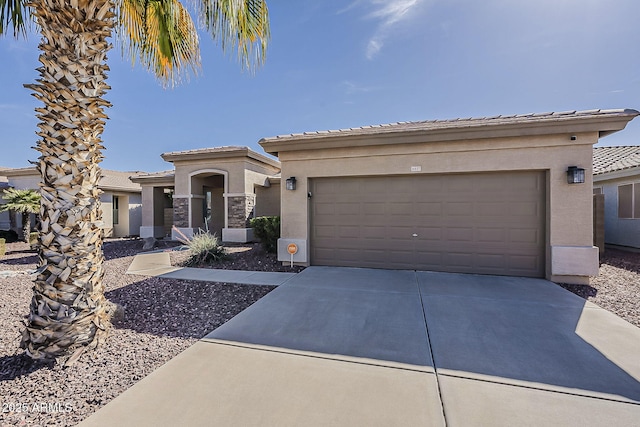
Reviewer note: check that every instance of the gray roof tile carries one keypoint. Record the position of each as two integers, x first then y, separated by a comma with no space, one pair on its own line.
457,123
613,159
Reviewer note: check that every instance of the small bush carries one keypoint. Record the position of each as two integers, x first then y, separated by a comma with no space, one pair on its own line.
33,238
205,248
9,236
3,247
267,229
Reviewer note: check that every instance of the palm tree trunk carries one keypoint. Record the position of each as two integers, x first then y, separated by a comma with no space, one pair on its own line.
26,226
68,310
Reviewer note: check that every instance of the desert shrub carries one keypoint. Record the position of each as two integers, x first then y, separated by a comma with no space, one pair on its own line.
9,236
267,229
204,248
3,247
33,238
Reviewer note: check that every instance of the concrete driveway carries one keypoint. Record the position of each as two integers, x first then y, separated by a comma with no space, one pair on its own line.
347,346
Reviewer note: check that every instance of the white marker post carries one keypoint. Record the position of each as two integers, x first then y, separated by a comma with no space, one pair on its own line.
292,248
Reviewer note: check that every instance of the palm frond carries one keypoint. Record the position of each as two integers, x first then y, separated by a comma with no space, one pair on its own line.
241,25
14,14
162,35
21,201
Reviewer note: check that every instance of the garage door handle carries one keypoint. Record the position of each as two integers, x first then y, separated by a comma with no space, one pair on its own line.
415,235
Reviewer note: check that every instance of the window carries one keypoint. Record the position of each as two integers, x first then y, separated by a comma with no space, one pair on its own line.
597,190
115,203
629,201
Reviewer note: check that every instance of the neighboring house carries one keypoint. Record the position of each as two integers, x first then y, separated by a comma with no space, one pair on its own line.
616,174
5,219
487,195
121,199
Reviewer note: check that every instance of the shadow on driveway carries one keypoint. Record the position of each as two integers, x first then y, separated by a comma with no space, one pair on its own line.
508,330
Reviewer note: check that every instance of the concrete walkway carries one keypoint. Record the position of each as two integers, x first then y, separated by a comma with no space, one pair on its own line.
362,347
158,264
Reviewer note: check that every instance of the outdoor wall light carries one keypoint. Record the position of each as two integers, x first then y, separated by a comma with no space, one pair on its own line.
291,183
575,175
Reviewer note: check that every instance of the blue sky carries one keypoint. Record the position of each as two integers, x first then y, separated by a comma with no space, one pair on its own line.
339,64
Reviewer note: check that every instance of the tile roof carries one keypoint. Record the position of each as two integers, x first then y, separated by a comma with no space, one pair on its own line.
612,159
456,123
150,175
112,180
222,149
118,180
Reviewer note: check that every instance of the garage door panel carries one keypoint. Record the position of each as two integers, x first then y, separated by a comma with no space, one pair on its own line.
489,223
490,235
323,231
429,234
458,209
458,234
490,261
523,235
431,209
523,263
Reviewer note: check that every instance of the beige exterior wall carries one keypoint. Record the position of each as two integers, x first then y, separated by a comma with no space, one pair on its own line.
129,214
240,173
569,209
268,200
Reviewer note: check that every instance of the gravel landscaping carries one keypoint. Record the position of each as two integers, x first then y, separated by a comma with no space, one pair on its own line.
617,287
163,317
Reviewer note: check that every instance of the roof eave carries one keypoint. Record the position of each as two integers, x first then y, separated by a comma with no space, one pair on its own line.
212,155
633,171
604,124
119,189
168,179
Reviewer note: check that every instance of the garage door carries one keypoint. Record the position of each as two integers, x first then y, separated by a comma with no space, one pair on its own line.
487,223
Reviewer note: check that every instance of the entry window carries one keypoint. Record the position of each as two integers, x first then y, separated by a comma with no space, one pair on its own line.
629,201
115,204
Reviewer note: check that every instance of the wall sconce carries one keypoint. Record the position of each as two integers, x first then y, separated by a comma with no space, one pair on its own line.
291,183
575,175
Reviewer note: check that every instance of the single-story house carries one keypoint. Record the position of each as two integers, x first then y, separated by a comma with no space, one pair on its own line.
216,189
507,195
616,175
121,199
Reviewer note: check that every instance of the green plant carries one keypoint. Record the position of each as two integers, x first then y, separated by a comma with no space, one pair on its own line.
267,229
25,202
204,248
3,247
33,239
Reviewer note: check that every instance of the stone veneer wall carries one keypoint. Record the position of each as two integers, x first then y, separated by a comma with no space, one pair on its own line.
181,212
241,210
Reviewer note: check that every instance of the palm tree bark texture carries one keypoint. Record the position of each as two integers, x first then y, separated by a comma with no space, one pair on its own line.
69,311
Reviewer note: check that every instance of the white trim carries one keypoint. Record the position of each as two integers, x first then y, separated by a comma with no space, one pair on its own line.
237,235
633,184
237,194
225,179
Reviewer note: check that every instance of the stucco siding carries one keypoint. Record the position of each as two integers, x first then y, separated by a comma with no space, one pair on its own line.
569,210
268,200
619,231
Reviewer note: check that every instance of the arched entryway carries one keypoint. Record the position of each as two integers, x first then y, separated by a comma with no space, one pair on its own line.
207,207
